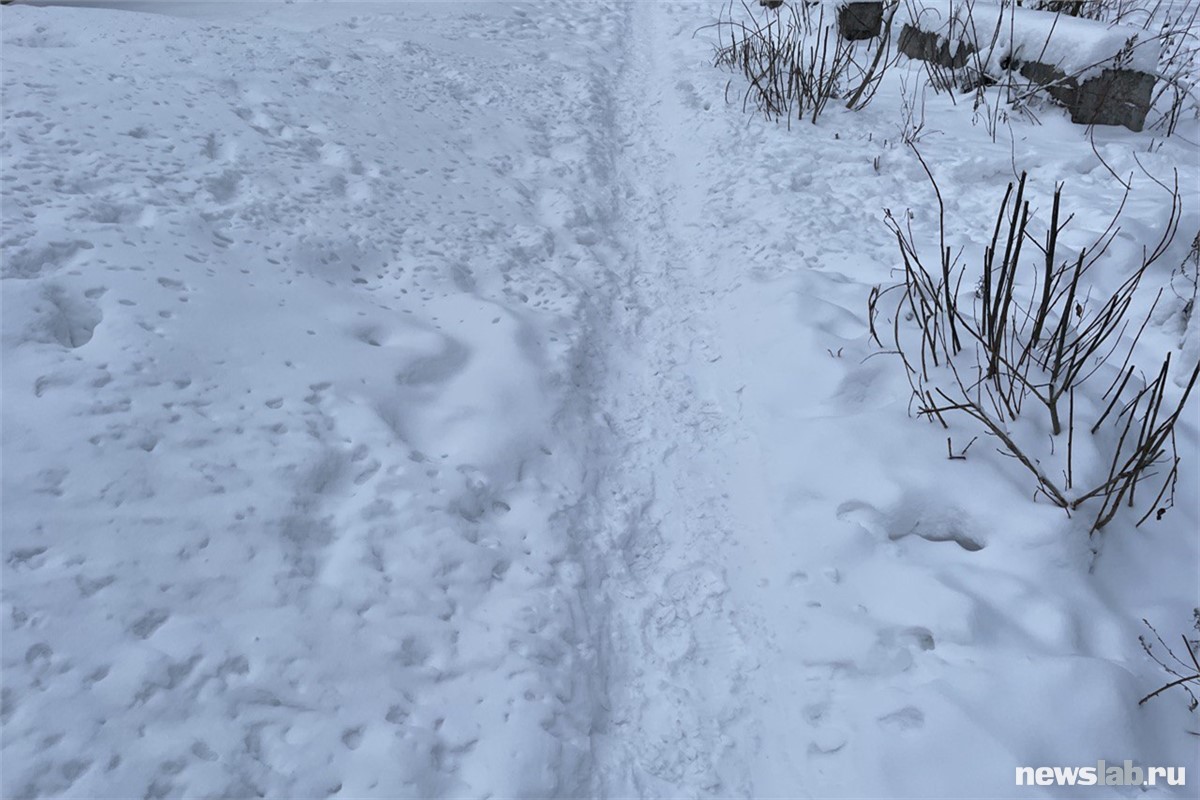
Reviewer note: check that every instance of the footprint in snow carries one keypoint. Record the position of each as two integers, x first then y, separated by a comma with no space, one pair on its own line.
36,261
66,318
926,517
904,719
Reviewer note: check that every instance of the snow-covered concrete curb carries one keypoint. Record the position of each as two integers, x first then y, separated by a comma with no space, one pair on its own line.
1103,74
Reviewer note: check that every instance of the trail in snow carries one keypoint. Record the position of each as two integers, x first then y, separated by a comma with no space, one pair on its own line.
677,658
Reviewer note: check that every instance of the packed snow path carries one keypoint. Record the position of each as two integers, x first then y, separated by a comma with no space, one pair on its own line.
464,400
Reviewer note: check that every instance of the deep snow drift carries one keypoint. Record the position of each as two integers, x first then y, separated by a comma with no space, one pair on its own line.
464,399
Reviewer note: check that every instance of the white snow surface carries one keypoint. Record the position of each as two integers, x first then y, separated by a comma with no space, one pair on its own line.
464,399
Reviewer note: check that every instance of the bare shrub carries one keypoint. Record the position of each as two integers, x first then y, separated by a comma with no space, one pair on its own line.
989,352
796,62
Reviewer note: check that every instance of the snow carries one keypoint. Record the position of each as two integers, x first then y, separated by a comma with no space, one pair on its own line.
463,399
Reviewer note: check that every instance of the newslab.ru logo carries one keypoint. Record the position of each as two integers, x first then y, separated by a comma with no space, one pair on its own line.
1101,775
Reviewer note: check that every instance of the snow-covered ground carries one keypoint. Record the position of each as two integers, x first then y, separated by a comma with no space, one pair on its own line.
464,399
